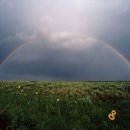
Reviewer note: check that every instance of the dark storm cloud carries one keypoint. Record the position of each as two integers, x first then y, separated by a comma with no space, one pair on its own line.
10,44
51,37
110,20
11,20
58,58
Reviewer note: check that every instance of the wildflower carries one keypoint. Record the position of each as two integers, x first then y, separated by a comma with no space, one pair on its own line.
58,99
19,87
22,90
36,93
113,112
111,117
75,101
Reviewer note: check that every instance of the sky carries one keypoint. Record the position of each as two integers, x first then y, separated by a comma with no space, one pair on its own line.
65,40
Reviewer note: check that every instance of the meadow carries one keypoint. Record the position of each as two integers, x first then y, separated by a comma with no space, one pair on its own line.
64,105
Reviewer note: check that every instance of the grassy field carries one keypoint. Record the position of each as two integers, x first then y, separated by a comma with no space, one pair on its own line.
44,105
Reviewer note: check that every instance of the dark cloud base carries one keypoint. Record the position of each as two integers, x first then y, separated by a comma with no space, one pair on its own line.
42,61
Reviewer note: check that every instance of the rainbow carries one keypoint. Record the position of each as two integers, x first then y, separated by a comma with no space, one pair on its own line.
122,57
9,53
118,53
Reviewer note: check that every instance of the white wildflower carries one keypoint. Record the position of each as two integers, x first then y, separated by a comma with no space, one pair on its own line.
36,93
58,99
19,87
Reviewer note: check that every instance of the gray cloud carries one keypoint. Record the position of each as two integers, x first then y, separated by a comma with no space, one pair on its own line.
109,21
60,56
61,39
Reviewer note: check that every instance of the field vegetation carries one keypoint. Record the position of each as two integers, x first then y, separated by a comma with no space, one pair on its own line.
64,105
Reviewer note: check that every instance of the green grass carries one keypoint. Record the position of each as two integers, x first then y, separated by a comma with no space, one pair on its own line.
44,105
